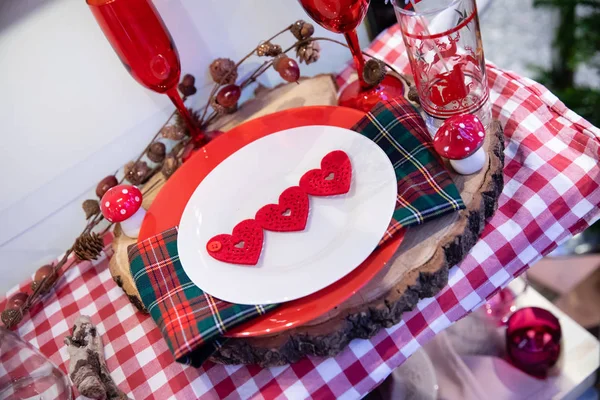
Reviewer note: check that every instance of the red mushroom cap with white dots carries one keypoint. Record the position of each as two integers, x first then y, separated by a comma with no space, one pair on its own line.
459,137
121,202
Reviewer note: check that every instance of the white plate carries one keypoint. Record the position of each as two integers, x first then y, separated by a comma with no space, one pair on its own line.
341,232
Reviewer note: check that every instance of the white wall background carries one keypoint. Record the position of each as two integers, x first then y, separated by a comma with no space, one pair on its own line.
70,113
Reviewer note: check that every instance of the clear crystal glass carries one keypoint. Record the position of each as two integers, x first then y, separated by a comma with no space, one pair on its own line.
26,374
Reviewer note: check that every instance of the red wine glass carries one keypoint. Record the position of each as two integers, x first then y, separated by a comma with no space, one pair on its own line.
140,38
344,16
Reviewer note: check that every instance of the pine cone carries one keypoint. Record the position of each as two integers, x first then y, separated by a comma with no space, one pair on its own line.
268,49
88,246
302,30
90,207
309,52
374,72
169,166
11,317
186,87
156,152
173,132
137,172
220,71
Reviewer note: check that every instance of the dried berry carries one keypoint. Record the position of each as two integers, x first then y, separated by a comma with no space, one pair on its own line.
302,30
41,274
17,300
186,86
229,95
90,208
223,71
288,69
268,49
156,152
106,184
137,172
309,52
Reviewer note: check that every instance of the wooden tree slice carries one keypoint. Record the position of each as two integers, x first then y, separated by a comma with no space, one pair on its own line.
418,270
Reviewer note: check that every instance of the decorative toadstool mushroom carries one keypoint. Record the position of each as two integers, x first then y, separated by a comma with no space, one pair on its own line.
123,203
460,140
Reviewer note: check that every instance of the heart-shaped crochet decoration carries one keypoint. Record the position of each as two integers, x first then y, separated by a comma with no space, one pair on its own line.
289,215
333,178
243,246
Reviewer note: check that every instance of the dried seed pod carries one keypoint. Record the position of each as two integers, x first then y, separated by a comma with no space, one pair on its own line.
137,172
186,86
172,132
17,300
268,49
90,207
223,71
374,71
169,166
302,30
156,152
309,52
413,95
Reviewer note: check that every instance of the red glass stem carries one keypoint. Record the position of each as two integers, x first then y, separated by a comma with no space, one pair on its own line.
359,61
175,97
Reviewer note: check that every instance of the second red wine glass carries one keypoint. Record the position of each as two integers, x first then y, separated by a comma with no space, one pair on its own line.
344,16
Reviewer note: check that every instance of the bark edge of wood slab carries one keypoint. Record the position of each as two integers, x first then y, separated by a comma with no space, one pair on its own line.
351,320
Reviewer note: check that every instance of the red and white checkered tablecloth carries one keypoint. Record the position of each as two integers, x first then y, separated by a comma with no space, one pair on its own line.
551,176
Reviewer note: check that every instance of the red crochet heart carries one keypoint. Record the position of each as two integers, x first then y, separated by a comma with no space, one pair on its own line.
289,215
243,246
333,178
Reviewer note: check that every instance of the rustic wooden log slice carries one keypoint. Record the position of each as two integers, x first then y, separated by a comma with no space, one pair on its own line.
418,270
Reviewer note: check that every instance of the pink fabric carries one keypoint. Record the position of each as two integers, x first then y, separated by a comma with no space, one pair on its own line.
551,192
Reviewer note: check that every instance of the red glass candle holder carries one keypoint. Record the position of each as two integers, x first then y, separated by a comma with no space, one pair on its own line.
533,338
444,46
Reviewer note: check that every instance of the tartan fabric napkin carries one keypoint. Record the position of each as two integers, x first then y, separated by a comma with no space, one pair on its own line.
193,322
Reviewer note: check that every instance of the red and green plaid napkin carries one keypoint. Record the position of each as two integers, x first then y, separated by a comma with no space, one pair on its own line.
193,322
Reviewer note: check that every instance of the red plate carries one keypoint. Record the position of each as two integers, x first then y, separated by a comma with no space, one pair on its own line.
167,208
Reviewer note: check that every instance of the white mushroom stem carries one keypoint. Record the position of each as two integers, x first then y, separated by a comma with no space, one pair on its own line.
471,164
131,226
